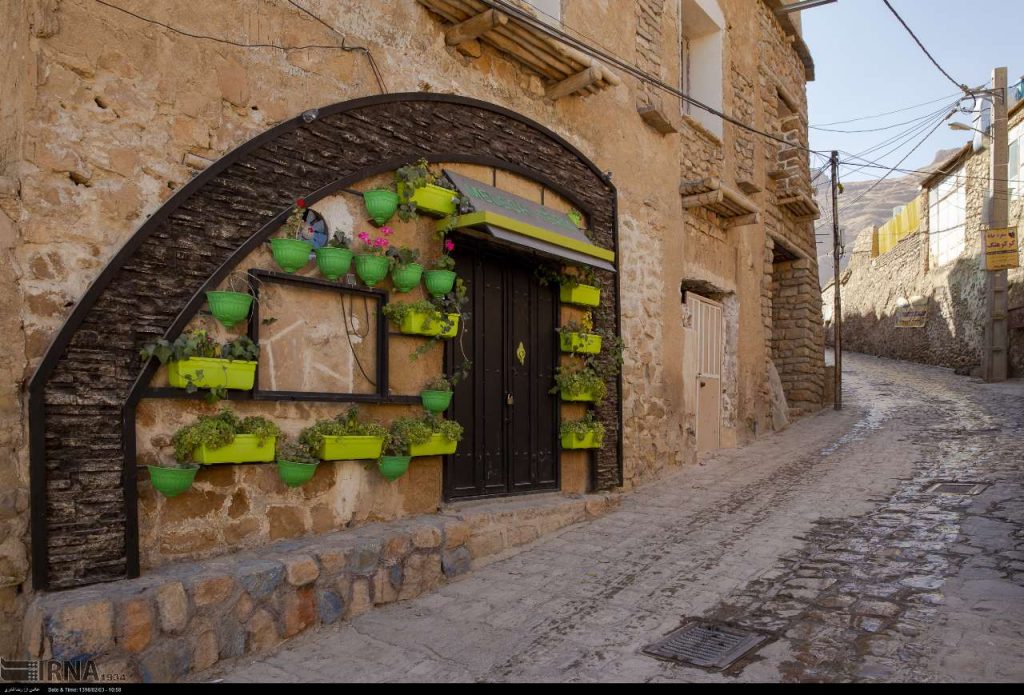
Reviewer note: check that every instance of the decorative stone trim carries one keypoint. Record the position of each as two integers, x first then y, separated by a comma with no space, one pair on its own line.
185,618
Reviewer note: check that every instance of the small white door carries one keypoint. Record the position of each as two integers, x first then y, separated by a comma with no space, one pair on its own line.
707,324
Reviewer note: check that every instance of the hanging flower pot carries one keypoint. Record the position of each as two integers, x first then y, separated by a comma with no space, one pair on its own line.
439,282
430,324
576,441
585,343
437,445
381,204
212,372
171,482
333,262
246,448
290,254
583,396
393,467
406,277
580,295
295,473
434,200
229,307
436,401
350,447
371,268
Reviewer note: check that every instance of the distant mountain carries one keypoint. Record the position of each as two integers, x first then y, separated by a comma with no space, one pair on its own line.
857,214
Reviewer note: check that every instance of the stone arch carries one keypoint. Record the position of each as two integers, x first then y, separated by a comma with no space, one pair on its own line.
83,394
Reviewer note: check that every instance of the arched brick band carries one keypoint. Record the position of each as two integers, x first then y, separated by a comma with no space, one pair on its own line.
83,395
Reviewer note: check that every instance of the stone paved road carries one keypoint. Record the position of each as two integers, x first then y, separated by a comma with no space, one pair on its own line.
821,536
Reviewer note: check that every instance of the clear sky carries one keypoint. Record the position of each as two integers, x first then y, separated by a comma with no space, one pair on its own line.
867,64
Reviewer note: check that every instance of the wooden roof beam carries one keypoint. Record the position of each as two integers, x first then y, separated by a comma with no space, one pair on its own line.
474,27
577,82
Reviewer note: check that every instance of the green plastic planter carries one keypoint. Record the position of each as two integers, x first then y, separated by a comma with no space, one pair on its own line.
574,441
171,482
434,200
290,254
245,449
294,473
333,261
439,282
580,295
586,343
381,205
211,372
423,323
371,268
229,307
393,467
350,447
436,401
407,277
437,445
579,397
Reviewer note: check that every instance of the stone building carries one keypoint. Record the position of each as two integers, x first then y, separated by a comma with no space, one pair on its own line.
149,151
927,261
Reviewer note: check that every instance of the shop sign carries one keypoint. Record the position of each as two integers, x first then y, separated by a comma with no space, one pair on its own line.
1001,249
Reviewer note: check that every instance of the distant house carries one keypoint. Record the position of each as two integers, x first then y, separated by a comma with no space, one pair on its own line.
926,262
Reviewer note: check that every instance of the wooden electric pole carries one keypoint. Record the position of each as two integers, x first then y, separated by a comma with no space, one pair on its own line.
837,307
996,335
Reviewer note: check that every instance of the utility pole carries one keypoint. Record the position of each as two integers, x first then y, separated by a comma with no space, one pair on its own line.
996,334
837,307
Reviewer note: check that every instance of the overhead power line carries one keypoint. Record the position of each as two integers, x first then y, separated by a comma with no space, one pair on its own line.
963,87
889,113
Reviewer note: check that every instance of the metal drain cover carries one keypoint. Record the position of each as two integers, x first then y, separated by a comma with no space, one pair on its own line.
950,488
705,644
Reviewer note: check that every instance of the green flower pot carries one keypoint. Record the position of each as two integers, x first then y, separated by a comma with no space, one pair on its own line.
586,343
437,445
407,277
436,401
575,441
350,447
423,323
171,482
580,295
211,372
245,448
229,307
294,473
434,200
439,282
381,205
393,467
290,254
371,268
579,397
333,261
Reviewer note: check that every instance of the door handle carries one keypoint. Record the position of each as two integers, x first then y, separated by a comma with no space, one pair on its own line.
509,399
703,384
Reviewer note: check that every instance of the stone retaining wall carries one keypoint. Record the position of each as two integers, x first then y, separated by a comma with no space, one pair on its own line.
185,618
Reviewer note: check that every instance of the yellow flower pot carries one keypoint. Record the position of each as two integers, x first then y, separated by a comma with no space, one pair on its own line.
422,323
580,295
587,343
350,448
210,372
437,445
244,449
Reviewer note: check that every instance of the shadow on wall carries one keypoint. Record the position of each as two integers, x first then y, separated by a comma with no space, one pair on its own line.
952,336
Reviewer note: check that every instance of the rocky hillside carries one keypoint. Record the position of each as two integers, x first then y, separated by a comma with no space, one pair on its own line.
857,214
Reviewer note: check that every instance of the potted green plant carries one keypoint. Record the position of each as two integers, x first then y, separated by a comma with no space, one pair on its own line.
345,438
197,361
372,260
577,336
292,252
440,279
576,217
437,395
224,438
295,464
381,203
579,382
171,479
402,435
405,271
229,307
422,190
422,318
581,287
335,258
444,438
585,433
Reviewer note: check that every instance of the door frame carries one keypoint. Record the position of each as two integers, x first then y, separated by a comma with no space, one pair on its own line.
451,357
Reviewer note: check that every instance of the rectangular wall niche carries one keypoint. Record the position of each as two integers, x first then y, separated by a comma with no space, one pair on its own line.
326,341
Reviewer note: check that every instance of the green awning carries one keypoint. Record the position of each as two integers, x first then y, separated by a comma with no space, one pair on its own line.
515,221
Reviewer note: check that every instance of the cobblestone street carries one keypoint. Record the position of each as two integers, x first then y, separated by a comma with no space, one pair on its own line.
824,536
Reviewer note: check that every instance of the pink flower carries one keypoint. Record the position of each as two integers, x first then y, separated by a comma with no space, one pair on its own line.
364,237
377,242
449,245
386,231
300,203
385,243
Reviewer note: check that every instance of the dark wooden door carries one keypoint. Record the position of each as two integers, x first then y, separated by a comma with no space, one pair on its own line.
510,418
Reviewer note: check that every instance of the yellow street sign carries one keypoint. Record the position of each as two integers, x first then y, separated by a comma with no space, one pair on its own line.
1001,249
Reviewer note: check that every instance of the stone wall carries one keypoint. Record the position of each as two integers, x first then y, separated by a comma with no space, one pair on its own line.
796,338
954,292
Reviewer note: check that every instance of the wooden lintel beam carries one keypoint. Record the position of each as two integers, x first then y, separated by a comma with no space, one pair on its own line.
752,218
474,27
582,79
